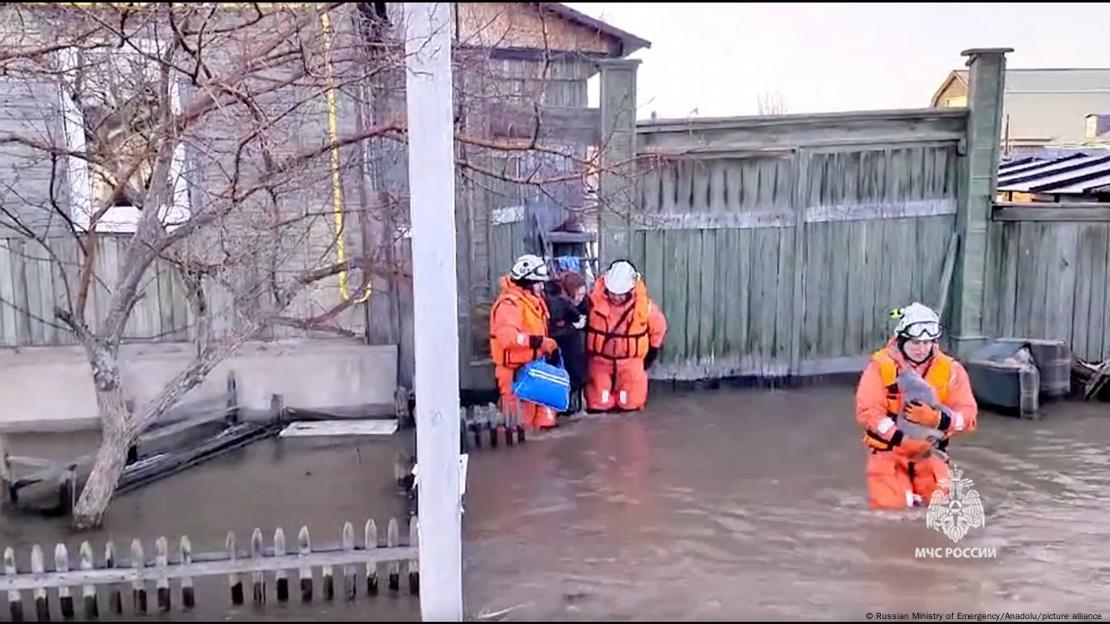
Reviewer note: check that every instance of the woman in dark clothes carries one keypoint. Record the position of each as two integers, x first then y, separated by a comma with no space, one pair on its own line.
569,308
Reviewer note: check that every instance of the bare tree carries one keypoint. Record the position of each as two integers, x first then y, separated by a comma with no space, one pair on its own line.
216,144
181,131
769,103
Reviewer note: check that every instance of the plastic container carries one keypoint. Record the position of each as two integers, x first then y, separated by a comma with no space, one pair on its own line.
1053,361
1008,381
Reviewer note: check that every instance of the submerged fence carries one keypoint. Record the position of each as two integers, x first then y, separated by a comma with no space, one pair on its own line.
360,565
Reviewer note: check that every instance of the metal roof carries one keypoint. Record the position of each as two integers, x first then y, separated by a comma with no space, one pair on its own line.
1074,174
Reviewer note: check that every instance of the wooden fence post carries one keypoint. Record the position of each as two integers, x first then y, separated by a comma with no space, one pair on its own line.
476,426
414,564
115,601
162,585
392,540
281,579
349,571
518,418
15,600
88,591
233,581
38,566
65,596
188,594
138,587
371,538
304,549
258,579
328,575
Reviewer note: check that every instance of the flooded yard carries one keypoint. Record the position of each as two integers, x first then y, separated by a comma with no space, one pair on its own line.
315,482
752,504
726,504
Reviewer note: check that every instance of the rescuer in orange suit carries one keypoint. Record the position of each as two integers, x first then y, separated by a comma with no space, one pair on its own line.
901,470
624,333
518,335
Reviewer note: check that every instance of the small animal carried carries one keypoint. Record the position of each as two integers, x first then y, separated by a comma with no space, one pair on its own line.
916,389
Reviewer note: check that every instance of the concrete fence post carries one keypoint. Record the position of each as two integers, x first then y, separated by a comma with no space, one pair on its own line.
431,158
978,181
616,185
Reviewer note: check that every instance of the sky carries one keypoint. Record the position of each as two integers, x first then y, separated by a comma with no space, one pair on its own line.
713,60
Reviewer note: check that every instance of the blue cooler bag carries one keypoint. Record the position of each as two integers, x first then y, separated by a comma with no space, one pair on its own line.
543,383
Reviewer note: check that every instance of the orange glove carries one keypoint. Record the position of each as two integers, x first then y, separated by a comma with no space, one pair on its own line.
923,415
915,446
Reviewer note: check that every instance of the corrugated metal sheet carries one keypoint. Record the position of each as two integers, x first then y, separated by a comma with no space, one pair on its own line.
1013,165
1007,173
1074,174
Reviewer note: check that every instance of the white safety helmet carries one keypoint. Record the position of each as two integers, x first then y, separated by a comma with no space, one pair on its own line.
917,322
530,268
621,277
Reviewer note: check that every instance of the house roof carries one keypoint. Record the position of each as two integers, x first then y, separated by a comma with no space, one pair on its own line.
1062,80
1073,174
629,42
956,75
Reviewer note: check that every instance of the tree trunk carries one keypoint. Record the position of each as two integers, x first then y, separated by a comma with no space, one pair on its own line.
98,490
116,438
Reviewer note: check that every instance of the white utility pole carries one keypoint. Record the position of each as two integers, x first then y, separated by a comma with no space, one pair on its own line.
431,161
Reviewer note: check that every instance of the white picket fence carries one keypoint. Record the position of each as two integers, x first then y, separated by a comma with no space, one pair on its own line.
259,561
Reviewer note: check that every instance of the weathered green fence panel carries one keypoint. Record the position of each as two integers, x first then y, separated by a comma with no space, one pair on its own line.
788,260
1048,279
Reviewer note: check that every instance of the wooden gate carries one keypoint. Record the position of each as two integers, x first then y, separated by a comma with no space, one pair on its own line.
777,246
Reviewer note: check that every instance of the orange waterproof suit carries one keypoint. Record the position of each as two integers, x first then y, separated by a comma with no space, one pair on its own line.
894,473
617,341
516,316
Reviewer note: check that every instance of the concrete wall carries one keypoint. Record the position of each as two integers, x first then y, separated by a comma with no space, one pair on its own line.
50,388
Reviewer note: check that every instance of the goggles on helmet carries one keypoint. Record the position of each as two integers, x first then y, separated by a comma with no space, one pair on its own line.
925,330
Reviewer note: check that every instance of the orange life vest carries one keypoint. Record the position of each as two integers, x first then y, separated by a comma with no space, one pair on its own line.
622,337
938,377
535,317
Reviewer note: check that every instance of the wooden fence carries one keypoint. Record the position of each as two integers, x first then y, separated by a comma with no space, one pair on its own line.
1049,274
778,246
32,286
112,572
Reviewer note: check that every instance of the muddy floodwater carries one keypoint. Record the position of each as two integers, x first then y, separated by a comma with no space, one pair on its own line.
752,504
315,482
724,504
